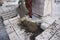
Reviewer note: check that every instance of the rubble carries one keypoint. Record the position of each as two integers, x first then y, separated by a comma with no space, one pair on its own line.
30,26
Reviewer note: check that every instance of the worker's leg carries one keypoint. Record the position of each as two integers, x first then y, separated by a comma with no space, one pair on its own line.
29,6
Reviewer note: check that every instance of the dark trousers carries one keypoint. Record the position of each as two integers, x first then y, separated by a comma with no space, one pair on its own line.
28,4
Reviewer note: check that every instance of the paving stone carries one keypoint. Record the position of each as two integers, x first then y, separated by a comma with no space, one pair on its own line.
56,36
9,16
10,3
56,8
5,9
15,19
48,20
9,29
8,12
1,10
13,36
10,0
57,22
20,32
44,26
22,35
54,17
47,34
15,24
13,29
58,26
3,33
6,22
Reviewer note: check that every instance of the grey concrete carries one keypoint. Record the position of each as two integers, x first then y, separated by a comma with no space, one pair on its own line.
56,36
56,8
8,12
3,33
38,7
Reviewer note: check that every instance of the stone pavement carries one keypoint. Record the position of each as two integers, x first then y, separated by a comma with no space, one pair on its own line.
51,32
3,33
14,31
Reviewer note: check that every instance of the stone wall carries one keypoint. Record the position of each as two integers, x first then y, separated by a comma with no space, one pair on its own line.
42,7
38,6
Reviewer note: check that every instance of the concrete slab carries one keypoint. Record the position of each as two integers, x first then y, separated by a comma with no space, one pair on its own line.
47,34
6,22
3,33
57,22
20,33
48,20
9,29
44,26
13,36
56,36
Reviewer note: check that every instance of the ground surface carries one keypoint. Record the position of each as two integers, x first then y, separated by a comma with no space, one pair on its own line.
3,33
16,33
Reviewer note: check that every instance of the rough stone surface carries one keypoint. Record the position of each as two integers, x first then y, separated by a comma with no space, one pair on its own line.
3,33
56,36
48,19
44,26
57,22
48,33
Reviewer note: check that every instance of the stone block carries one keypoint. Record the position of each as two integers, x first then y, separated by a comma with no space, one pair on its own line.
3,33
42,7
44,26
57,22
6,22
47,34
9,29
56,35
48,20
13,36
38,6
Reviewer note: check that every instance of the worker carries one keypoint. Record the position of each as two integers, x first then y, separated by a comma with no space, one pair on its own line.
28,4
